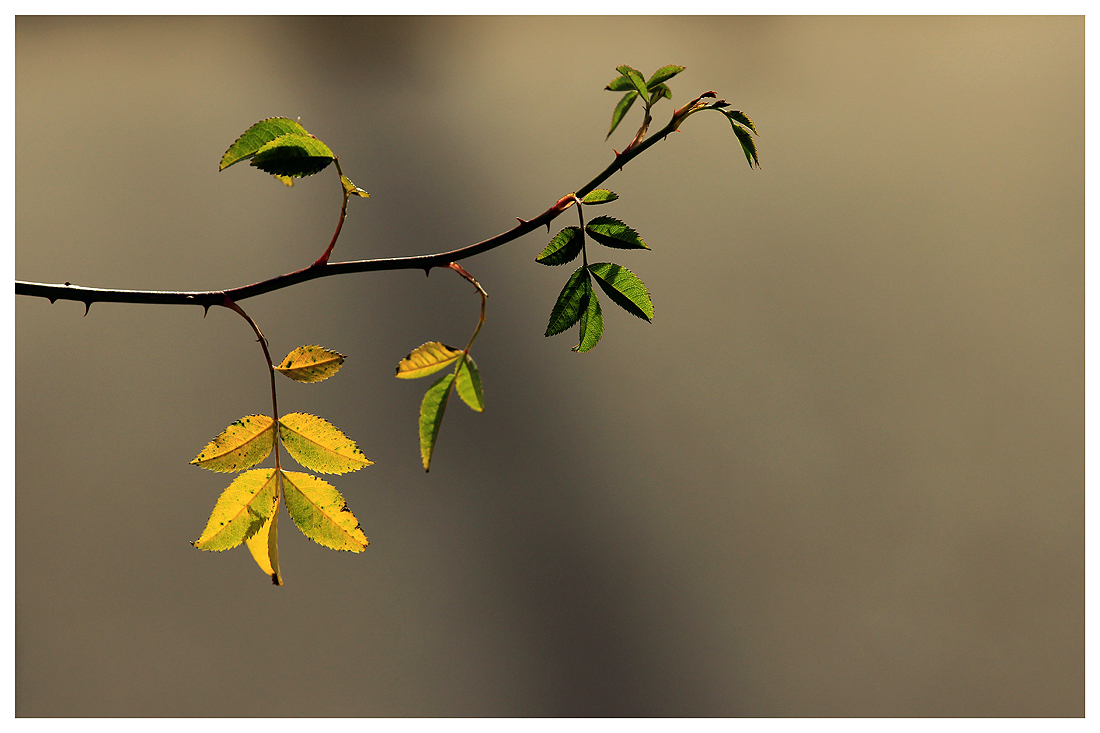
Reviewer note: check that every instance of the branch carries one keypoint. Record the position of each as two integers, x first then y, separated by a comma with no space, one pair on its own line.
207,298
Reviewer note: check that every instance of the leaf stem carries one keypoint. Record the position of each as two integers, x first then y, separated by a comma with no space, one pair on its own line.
228,302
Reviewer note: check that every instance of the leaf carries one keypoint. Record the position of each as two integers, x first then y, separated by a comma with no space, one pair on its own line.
591,322
741,118
567,309
319,445
636,80
620,110
562,248
747,145
468,384
311,364
600,196
432,408
426,359
351,188
663,74
294,156
255,137
661,90
623,287
242,509
610,232
264,546
241,445
620,83
321,513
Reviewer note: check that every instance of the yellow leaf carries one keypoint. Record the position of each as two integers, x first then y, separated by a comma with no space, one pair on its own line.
241,445
242,510
319,445
426,359
264,546
311,364
320,512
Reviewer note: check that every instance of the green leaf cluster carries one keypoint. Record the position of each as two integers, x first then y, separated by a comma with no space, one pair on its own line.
631,81
247,510
578,303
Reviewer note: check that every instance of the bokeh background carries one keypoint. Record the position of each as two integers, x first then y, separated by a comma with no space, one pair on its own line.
841,473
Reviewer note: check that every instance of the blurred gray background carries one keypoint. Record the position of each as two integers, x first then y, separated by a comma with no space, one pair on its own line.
841,473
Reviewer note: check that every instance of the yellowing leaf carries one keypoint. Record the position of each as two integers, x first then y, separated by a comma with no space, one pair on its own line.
241,445
319,445
468,385
311,364
320,512
426,359
242,510
352,189
264,546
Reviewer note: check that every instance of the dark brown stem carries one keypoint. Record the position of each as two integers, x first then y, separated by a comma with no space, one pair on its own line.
425,262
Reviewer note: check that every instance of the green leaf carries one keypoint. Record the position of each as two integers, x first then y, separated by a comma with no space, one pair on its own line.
610,232
321,513
636,80
311,364
319,445
426,359
591,322
567,309
293,156
600,196
740,117
661,90
663,74
748,146
620,83
255,137
623,287
468,384
432,408
351,188
242,510
564,247
264,546
620,110
241,445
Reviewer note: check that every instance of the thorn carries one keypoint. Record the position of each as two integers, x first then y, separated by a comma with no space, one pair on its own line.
53,300
205,309
427,271
67,283
521,221
87,306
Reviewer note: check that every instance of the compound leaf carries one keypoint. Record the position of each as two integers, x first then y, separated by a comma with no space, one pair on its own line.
564,247
591,322
610,232
623,287
321,513
319,445
242,509
468,384
663,74
600,196
264,546
620,110
432,408
311,364
293,156
241,445
255,137
426,359
567,309
748,145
